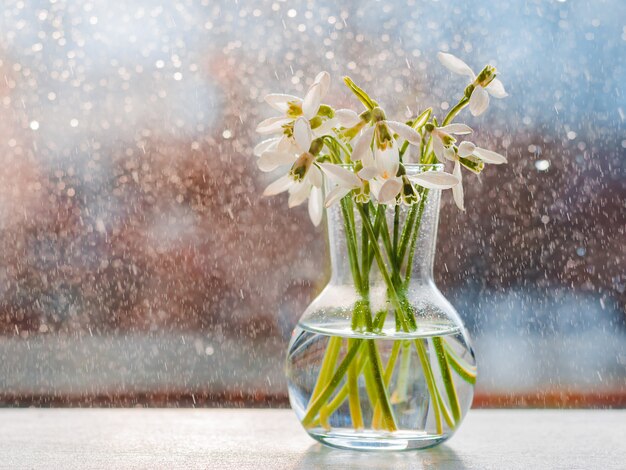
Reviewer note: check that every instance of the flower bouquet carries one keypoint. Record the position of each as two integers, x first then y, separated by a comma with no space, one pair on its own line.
380,359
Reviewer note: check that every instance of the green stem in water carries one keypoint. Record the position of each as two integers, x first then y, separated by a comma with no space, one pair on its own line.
446,376
383,398
332,384
353,391
430,382
328,363
466,372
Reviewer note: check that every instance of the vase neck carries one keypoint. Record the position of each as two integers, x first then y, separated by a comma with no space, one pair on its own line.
424,216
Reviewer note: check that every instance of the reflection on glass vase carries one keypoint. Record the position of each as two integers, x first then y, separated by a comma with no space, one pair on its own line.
380,359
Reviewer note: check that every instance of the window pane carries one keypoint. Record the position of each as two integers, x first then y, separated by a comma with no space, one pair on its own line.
141,263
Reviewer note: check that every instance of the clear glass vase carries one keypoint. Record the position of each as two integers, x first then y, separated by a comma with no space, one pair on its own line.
380,359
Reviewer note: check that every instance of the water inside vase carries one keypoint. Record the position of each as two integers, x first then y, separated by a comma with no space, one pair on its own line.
415,418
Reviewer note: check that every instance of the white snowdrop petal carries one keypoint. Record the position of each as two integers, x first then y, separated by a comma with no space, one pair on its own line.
389,190
457,191
347,117
302,134
435,180
268,144
312,100
272,125
280,185
449,154
325,128
496,89
280,101
287,144
341,176
316,205
368,173
362,144
272,159
454,64
406,132
457,129
368,159
466,149
439,149
489,156
479,101
314,176
387,161
336,194
323,79
298,194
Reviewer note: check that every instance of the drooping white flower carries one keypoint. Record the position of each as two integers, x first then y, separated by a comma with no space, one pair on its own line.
472,158
380,135
345,182
293,106
384,187
443,139
304,179
484,84
382,173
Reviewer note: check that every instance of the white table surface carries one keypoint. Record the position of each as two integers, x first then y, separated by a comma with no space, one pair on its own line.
273,439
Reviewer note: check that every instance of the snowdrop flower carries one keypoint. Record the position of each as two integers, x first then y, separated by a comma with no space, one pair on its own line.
443,139
293,107
304,179
345,180
483,85
385,188
380,135
472,158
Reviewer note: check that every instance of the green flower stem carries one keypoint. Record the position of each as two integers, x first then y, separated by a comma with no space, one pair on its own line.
353,391
328,363
365,264
383,270
403,374
406,233
430,382
455,110
446,376
465,372
396,228
409,263
351,242
383,398
384,234
335,380
444,410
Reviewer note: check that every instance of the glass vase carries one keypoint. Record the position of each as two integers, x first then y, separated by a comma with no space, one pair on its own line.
380,360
